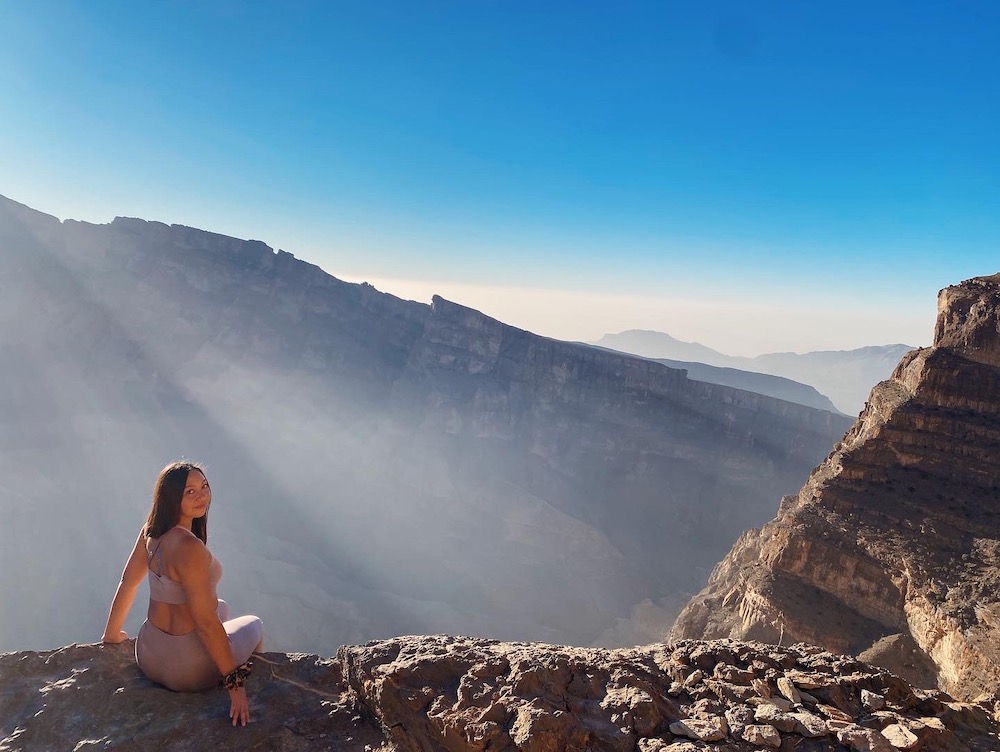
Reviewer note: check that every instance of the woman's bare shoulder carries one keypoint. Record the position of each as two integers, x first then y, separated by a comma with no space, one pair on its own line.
187,550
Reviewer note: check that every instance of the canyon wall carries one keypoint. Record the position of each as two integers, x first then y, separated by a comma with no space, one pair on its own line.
379,466
892,547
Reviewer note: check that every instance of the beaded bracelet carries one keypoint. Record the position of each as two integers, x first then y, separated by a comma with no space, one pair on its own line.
237,677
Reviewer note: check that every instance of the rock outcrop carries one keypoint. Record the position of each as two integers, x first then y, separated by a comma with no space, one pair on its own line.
380,466
92,697
454,694
892,547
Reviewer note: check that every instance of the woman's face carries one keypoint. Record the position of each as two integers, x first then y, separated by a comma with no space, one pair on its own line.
197,496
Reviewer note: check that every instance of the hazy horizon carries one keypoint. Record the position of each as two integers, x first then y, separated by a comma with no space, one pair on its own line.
786,176
738,327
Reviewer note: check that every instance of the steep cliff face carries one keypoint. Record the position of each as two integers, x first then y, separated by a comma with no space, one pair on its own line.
455,694
380,466
897,533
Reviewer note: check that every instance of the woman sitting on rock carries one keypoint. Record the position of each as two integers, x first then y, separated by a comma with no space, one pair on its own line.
187,641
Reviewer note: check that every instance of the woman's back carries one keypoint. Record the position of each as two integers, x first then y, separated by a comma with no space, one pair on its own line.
168,604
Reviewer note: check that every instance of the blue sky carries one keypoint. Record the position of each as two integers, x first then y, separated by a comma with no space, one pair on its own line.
757,176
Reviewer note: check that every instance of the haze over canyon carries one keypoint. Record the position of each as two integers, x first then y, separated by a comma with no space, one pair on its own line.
380,466
383,466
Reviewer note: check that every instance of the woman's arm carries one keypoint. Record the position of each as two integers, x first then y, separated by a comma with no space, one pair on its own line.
192,560
135,570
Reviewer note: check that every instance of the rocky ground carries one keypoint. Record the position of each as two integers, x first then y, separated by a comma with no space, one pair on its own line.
430,694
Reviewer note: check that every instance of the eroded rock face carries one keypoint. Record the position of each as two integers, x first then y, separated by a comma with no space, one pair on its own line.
454,694
893,544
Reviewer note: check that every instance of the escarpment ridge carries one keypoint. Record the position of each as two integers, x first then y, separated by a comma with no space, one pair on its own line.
457,694
379,466
892,546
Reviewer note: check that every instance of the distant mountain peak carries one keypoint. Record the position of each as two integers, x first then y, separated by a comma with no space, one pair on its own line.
845,376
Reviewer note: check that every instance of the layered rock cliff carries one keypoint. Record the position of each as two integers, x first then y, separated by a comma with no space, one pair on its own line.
379,466
455,694
893,544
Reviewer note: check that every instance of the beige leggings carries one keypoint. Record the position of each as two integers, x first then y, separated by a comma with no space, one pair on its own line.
181,663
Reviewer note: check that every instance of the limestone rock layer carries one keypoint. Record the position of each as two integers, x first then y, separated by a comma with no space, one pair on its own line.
893,544
458,694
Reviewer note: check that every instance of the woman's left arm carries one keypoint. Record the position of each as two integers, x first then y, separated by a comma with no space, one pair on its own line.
135,570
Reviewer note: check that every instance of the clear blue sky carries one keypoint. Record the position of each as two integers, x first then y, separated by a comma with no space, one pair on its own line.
778,155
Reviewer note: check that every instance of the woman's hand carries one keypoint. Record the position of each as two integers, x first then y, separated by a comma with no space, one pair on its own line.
239,706
115,639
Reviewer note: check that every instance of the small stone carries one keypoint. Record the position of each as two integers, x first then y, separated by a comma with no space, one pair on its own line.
773,716
900,737
864,740
734,693
871,700
805,681
833,713
932,723
733,675
739,716
762,736
808,699
788,690
696,677
653,745
779,702
810,725
706,708
701,729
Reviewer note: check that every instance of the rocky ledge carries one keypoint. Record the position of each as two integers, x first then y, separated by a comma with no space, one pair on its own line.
459,694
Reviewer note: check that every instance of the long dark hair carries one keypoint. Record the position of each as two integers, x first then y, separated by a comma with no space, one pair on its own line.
166,509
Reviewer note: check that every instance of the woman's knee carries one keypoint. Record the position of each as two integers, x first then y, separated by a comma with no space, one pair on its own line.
256,627
246,634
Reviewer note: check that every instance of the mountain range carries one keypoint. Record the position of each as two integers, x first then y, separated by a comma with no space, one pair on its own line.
844,376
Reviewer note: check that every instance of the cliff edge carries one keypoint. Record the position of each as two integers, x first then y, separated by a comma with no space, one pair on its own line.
431,694
892,547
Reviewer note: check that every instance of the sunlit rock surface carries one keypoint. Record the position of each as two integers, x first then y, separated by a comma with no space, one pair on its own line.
455,694
893,545
379,466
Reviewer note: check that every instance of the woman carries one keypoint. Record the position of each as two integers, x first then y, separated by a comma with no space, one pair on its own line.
186,642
